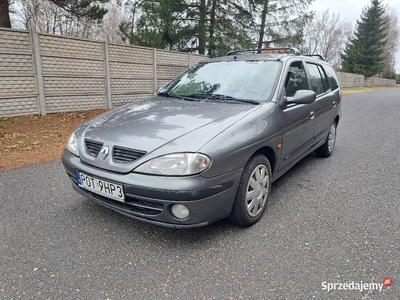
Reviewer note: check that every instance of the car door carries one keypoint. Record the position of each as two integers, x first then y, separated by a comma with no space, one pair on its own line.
325,103
297,120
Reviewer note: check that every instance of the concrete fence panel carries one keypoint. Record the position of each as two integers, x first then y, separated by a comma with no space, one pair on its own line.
18,82
195,59
169,65
376,81
73,72
42,73
131,73
356,80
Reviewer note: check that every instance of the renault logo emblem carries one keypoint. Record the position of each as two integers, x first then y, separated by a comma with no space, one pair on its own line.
104,153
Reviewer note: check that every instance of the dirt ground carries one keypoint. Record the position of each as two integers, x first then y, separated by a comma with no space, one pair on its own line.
33,139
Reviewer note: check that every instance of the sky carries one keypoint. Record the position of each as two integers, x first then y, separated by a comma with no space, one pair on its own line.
351,10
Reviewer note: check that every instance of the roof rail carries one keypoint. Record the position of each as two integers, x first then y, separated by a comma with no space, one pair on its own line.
315,55
279,50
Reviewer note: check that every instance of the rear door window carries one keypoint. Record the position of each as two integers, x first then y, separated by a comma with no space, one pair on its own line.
316,79
324,78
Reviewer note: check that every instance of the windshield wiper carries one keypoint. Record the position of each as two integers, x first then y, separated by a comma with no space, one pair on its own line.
254,102
167,94
224,97
171,95
198,96
207,96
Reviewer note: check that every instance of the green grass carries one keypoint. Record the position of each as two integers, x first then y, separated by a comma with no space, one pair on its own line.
363,89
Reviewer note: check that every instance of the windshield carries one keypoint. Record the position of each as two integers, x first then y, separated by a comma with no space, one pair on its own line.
251,80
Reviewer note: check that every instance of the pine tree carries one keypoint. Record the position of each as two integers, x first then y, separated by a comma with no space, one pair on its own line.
229,26
215,27
162,25
281,22
210,27
364,53
83,8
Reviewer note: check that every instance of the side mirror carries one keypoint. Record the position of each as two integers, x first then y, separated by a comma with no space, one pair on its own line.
302,97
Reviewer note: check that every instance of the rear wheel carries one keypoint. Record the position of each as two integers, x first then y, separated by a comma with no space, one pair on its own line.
326,149
253,191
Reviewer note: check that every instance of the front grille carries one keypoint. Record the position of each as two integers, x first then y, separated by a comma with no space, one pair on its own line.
126,155
93,147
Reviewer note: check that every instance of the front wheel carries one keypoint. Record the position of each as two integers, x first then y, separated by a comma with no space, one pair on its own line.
253,191
326,149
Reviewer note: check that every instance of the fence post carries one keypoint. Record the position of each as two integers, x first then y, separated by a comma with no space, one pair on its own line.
107,77
39,72
155,70
190,59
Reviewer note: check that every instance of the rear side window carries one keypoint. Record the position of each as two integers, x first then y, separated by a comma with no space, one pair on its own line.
317,82
333,80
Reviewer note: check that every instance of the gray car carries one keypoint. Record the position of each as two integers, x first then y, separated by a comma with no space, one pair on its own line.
208,145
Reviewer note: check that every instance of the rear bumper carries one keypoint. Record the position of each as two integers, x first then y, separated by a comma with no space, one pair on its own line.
150,198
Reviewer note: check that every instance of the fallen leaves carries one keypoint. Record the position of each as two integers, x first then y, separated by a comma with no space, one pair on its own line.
32,139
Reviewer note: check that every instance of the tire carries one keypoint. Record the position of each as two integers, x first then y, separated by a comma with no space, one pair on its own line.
253,192
327,148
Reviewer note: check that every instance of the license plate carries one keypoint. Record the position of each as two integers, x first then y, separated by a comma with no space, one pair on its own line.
101,187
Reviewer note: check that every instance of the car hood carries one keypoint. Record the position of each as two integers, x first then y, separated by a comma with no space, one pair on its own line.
158,121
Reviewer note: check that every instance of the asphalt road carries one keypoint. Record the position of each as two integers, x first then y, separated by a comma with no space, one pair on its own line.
334,220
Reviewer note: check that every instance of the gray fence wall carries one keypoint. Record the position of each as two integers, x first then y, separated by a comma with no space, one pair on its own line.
18,84
355,80
42,73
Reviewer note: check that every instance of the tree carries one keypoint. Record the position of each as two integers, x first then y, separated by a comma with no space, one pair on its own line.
161,24
5,14
127,28
45,16
364,53
392,44
214,27
109,28
207,27
281,21
90,9
326,35
229,26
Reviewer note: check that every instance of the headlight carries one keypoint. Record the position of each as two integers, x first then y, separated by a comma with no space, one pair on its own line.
177,164
72,145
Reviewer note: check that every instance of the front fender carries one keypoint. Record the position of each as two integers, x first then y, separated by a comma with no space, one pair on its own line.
233,147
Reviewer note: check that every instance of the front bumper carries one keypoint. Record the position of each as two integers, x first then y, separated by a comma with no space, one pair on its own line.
149,198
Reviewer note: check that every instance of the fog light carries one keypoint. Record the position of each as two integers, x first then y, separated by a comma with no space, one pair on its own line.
180,211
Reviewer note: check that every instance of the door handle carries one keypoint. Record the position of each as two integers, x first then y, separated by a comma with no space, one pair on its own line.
334,104
312,115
